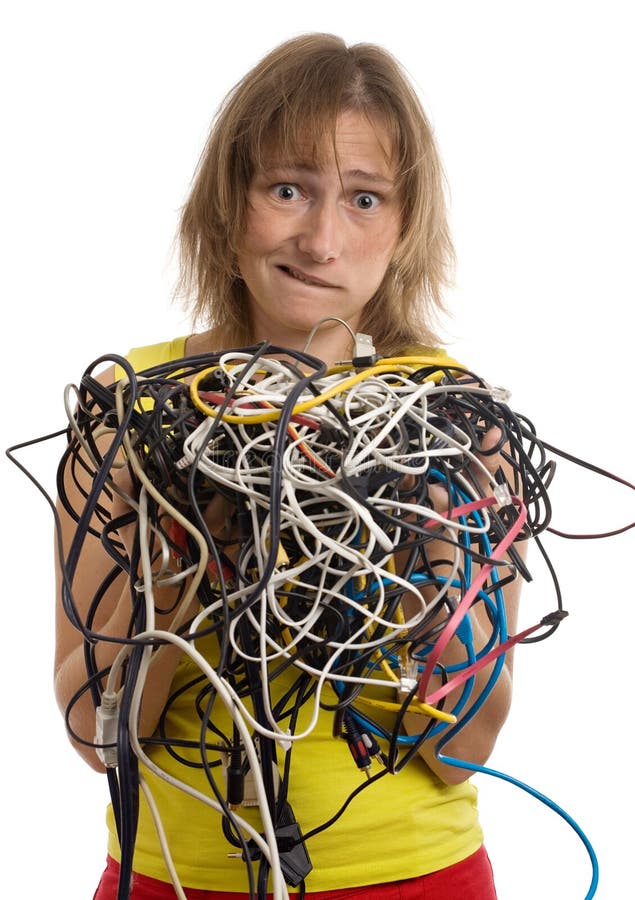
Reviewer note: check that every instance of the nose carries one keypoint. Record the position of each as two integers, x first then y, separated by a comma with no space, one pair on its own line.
321,236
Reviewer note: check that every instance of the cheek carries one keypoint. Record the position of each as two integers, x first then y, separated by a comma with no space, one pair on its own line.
251,243
258,229
377,250
265,227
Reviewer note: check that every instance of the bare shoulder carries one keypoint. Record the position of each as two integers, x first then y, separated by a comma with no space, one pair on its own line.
106,376
204,342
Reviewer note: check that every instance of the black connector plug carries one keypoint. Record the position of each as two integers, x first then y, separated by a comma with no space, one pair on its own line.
364,362
235,780
554,618
295,862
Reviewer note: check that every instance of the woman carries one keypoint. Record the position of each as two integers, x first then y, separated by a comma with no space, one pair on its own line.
319,196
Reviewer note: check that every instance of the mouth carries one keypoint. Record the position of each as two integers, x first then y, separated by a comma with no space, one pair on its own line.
304,278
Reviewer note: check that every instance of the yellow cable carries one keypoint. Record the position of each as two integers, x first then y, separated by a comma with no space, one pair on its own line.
415,705
421,709
406,364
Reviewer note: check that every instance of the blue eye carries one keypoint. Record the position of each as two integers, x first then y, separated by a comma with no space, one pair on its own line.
366,200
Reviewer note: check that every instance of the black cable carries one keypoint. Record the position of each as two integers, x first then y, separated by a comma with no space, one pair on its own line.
159,415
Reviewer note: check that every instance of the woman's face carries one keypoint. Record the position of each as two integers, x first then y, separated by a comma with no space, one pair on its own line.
319,238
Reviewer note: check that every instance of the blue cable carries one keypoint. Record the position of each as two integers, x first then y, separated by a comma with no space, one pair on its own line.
464,632
501,623
451,761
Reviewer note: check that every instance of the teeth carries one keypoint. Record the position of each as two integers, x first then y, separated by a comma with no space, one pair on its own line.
297,275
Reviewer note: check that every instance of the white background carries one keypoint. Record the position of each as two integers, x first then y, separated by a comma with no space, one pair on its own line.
105,109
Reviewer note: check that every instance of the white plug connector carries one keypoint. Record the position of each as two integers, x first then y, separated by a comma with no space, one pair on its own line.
364,353
500,394
409,675
502,495
106,725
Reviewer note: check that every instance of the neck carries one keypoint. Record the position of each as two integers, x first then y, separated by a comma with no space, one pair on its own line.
331,342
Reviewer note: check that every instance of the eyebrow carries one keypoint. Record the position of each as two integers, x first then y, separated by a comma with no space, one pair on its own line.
374,178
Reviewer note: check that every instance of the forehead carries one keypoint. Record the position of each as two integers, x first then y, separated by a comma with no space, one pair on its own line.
354,142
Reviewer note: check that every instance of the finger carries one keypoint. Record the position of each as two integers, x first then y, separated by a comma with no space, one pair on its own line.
406,483
495,457
490,448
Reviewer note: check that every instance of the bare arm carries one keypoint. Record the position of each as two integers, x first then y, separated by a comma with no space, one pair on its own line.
475,741
111,620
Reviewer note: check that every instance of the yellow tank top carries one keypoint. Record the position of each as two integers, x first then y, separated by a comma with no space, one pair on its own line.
400,826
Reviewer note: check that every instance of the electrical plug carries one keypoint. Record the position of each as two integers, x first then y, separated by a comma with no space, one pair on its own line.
295,862
364,354
235,779
240,781
362,745
374,749
502,494
106,727
408,675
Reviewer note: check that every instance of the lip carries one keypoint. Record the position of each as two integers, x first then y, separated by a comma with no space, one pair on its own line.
304,277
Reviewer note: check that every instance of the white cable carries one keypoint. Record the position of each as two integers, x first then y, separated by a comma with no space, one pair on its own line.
163,842
383,423
269,845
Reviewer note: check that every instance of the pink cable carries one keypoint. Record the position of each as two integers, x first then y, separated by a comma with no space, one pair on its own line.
470,595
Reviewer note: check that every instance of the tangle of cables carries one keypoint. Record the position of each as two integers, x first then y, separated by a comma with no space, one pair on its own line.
340,525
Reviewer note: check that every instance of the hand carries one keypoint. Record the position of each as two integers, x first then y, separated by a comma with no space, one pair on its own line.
491,462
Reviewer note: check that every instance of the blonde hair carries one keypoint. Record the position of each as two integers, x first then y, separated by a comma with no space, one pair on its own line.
299,89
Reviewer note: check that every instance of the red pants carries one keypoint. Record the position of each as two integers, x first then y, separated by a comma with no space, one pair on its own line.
470,879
